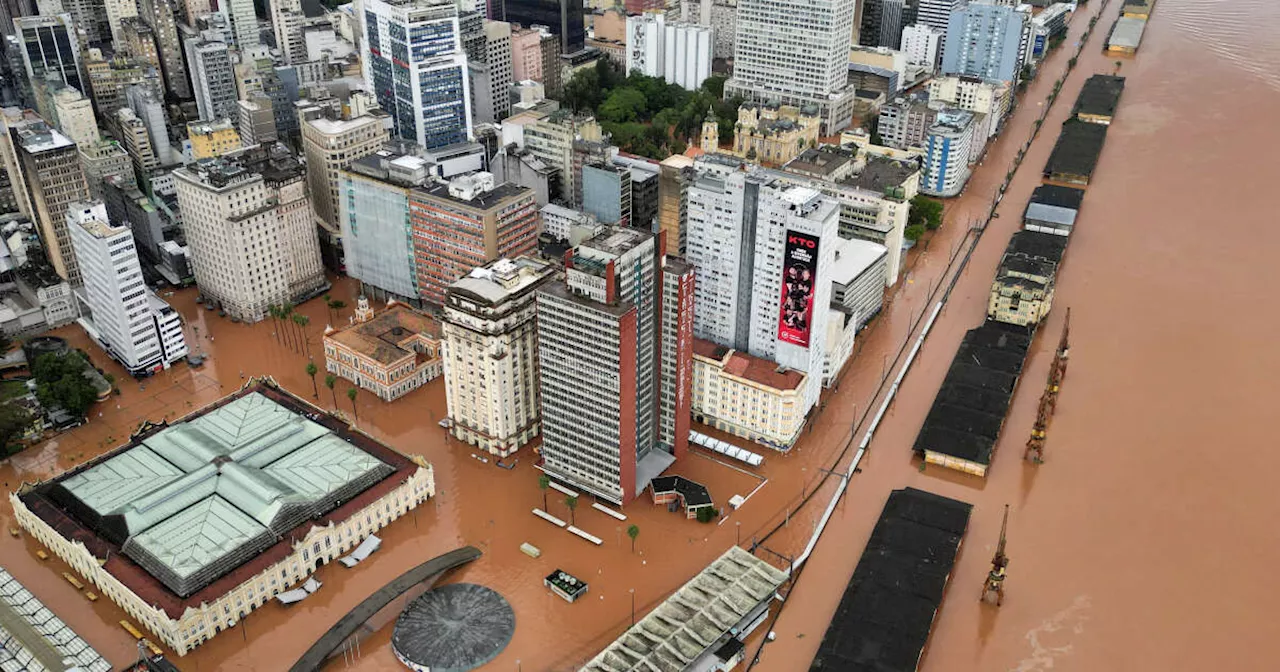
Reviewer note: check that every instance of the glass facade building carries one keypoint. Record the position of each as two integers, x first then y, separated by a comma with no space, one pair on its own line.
49,45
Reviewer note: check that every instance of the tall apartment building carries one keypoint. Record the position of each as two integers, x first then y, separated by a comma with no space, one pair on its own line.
763,251
526,54
331,140
286,21
159,14
466,224
50,47
679,52
601,343
256,121
243,23
988,98
54,179
882,22
110,78
124,317
564,18
139,40
117,11
213,79
551,140
675,173
412,54
949,150
75,118
103,160
491,74
251,232
922,45
136,141
375,232
491,354
606,193
795,55
905,122
937,14
984,40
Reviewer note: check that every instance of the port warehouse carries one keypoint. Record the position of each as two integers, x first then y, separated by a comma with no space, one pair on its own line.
887,611
963,426
1126,34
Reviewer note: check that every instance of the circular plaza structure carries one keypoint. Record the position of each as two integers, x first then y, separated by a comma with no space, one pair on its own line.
453,628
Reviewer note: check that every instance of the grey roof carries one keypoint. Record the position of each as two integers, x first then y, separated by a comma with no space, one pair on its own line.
854,257
1127,33
195,500
33,638
695,618
1039,212
1100,96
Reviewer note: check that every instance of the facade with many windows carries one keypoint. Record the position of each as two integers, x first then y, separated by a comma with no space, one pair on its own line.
491,354
984,40
390,354
747,396
414,59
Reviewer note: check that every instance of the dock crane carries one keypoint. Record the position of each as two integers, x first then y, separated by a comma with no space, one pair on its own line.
1049,400
993,588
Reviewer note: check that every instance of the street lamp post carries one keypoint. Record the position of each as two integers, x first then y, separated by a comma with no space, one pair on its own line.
633,607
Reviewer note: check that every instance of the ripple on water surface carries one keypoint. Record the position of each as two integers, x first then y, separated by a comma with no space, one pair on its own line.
1242,32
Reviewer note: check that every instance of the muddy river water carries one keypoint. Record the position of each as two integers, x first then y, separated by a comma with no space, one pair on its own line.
1144,542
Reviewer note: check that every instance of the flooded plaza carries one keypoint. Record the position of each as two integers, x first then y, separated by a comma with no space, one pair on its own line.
1142,542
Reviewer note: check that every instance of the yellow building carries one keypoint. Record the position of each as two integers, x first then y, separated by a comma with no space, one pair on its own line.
1138,9
211,139
769,134
389,354
1022,292
747,396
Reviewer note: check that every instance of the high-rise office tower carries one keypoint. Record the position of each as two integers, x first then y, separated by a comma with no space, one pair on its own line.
763,251
564,18
212,79
922,45
937,13
13,9
413,57
491,354
286,21
159,14
54,179
795,55
132,324
615,364
117,11
373,208
250,231
50,46
882,22
984,41
491,74
468,223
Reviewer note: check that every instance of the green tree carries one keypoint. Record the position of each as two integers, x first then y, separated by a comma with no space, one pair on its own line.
913,232
714,85
351,394
707,514
329,381
622,105
61,381
633,531
312,370
14,420
337,306
571,501
926,212
544,482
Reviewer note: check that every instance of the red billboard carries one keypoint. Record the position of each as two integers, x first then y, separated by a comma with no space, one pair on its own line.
799,276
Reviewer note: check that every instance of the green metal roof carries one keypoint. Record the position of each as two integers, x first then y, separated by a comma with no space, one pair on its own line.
200,497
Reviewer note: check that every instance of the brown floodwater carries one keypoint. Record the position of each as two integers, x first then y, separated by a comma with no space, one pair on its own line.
1142,543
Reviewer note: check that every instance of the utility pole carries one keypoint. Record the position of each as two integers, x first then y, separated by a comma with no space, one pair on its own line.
993,589
1049,400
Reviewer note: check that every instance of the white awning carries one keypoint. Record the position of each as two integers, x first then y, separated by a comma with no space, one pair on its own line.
726,449
366,547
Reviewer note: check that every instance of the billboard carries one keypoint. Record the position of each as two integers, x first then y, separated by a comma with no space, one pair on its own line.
799,277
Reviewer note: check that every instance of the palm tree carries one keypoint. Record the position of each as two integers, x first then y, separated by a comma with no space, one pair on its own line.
633,531
571,501
1118,64
337,305
302,321
312,371
329,381
351,394
275,321
543,483
286,316
328,302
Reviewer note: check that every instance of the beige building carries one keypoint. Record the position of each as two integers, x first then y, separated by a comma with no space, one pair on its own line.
551,140
211,139
747,396
491,354
333,138
768,134
75,117
250,231
390,354
54,178
191,526
989,99
675,173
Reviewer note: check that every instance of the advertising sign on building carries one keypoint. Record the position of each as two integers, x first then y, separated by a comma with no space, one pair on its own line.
799,274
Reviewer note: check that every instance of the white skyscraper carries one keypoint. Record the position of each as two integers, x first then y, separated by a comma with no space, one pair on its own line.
922,44
413,57
244,23
937,14
134,326
795,53
213,81
762,249
679,52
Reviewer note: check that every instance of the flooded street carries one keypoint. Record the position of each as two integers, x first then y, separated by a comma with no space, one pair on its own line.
1143,543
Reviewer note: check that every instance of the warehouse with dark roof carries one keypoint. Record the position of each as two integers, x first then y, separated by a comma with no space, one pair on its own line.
1098,99
1075,156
